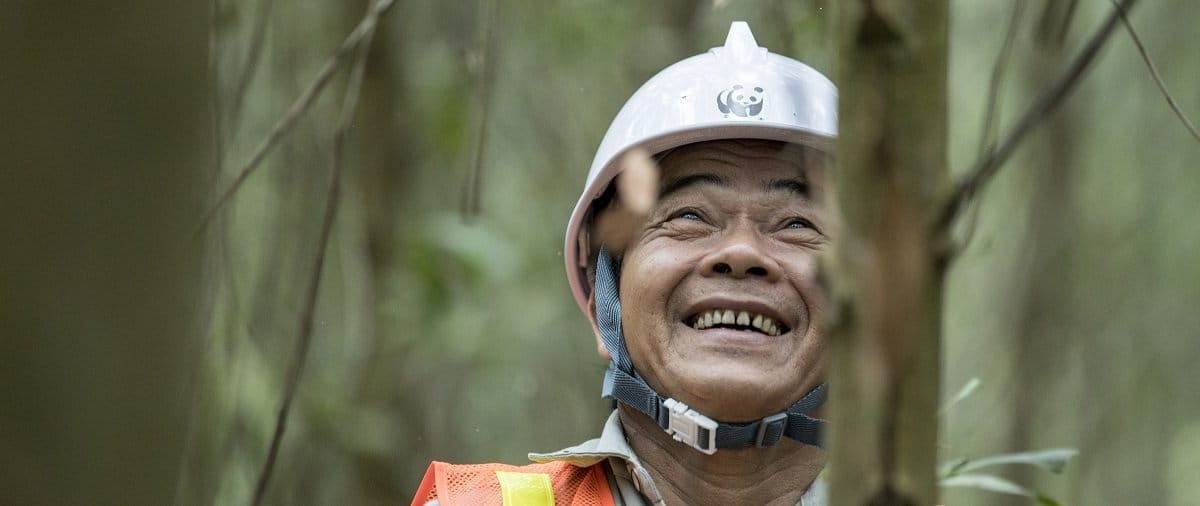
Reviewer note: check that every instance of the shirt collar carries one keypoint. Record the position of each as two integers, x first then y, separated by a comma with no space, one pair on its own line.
612,445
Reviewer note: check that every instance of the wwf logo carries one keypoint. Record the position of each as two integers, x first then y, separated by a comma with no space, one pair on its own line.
739,101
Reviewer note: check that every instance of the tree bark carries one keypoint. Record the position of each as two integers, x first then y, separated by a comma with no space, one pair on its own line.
886,271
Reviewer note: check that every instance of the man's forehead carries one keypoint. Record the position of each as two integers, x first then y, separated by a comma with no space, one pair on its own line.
733,161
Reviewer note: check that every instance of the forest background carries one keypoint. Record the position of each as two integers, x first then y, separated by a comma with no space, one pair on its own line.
145,356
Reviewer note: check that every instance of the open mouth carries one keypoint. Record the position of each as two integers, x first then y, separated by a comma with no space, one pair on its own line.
737,320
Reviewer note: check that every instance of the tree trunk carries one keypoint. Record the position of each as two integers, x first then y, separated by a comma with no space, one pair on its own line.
102,120
1042,281
886,272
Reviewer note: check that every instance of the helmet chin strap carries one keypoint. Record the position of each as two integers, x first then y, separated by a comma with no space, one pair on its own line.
622,383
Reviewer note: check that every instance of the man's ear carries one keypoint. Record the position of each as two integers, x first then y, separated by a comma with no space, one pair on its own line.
600,348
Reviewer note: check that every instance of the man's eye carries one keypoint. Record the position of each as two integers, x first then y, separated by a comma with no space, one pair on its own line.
799,223
689,215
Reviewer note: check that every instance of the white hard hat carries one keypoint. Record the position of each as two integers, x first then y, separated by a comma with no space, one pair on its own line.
739,91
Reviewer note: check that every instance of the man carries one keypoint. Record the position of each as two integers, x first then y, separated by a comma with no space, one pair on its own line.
710,310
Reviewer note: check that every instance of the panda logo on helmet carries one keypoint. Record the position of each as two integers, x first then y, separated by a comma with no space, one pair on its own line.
740,101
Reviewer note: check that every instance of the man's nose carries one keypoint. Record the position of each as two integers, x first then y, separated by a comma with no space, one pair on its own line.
740,255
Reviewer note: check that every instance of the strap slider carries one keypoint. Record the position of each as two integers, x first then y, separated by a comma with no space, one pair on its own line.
691,428
776,423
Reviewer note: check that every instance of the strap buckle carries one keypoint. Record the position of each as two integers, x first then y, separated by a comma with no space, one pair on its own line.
691,428
770,429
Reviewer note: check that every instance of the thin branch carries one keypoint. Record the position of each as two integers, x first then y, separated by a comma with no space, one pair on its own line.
990,122
214,102
1047,33
193,389
216,105
301,105
1162,86
308,315
998,68
474,182
986,167
253,54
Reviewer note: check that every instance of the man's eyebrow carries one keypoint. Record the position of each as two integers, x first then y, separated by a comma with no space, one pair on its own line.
799,187
675,185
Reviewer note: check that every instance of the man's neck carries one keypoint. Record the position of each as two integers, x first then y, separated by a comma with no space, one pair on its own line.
777,475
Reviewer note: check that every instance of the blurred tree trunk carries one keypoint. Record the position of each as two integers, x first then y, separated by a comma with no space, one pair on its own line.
102,122
1041,286
887,272
383,148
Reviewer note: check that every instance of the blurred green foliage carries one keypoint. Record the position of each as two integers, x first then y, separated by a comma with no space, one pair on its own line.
452,337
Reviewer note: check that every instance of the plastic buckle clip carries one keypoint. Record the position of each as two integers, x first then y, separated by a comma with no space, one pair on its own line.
685,424
777,419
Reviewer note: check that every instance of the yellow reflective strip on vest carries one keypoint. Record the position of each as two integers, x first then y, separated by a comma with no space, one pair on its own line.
525,489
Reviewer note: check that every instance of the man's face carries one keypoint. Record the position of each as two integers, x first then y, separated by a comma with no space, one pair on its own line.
737,229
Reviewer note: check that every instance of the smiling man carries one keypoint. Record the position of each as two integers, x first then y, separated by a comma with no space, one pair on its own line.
710,312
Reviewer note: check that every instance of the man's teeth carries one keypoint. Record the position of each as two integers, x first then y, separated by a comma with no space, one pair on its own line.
729,317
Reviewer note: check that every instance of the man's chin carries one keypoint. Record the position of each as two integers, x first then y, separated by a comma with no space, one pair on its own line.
732,392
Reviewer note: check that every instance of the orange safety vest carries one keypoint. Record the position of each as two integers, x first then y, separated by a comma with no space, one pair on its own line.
551,483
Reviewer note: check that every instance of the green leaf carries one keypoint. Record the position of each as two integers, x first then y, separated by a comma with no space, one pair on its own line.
1053,460
1046,501
964,392
988,482
952,467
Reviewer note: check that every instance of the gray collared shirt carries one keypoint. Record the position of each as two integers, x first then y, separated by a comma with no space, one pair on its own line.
630,482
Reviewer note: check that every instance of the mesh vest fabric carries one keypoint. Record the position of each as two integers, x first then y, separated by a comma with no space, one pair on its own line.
477,484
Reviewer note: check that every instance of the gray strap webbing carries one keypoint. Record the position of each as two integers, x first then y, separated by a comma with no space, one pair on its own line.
608,311
796,424
622,383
